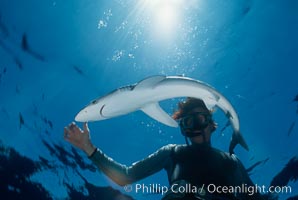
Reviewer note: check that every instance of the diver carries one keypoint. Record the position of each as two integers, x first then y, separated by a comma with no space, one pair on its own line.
195,164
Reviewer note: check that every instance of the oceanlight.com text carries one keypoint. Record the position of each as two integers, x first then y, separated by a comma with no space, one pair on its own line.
210,188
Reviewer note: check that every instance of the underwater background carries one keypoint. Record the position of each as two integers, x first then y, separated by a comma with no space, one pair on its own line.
56,56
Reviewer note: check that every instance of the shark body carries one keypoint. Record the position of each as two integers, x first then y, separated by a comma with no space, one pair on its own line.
146,94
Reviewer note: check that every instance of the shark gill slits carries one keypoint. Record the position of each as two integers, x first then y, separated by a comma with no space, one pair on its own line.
101,109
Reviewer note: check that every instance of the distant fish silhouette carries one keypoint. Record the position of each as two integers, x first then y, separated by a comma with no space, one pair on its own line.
49,147
246,10
25,45
26,48
11,52
78,70
47,132
18,63
21,120
50,123
46,163
256,164
291,128
296,98
2,73
47,121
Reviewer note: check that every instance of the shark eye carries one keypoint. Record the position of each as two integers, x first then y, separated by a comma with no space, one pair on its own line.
94,101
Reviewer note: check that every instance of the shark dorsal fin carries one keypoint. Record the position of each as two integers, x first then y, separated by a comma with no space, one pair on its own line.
157,113
149,82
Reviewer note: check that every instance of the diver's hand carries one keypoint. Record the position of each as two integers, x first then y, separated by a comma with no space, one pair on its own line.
79,138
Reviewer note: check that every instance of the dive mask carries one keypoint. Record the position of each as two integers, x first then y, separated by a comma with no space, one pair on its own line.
192,124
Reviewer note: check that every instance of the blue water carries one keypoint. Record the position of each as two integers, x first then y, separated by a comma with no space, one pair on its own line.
76,51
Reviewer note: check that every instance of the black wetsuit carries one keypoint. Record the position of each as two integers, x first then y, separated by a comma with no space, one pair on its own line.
198,165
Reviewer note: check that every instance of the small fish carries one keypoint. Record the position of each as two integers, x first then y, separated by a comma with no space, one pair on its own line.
291,128
246,10
47,132
18,63
50,124
296,98
44,119
256,164
47,121
25,47
21,120
12,53
78,70
45,163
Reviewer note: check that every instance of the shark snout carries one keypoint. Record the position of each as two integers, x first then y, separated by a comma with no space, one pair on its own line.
82,116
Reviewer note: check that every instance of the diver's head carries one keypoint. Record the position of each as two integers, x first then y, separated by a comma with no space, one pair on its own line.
195,120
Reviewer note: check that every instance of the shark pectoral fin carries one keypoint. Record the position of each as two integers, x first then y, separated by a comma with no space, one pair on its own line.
157,113
237,138
149,82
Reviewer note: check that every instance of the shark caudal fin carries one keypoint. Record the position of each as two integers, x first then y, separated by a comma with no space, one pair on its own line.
157,113
237,138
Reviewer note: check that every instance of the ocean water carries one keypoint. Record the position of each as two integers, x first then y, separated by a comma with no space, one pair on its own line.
56,56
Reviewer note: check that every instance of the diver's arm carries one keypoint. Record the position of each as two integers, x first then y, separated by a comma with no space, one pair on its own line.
119,173
122,174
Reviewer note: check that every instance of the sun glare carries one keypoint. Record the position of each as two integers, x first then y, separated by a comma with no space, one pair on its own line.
165,17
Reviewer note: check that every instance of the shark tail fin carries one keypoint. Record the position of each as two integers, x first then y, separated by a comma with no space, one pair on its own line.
237,138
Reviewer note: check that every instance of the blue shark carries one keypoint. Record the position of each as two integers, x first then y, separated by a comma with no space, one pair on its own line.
146,95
